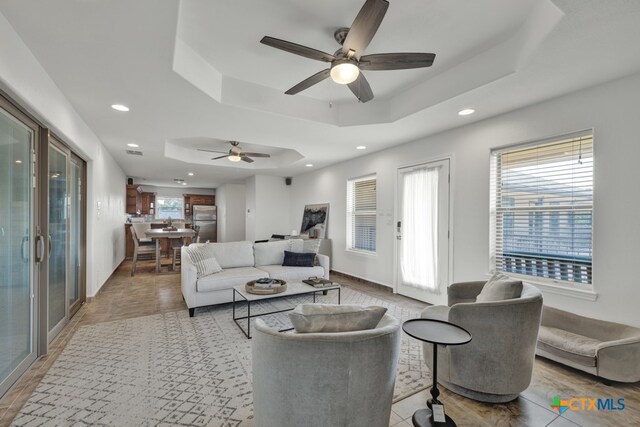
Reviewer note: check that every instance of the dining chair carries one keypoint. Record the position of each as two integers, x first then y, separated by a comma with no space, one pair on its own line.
140,246
179,243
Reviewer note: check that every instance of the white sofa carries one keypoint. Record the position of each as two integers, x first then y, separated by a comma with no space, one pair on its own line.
242,262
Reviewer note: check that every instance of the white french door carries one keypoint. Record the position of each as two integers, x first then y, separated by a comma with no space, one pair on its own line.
423,231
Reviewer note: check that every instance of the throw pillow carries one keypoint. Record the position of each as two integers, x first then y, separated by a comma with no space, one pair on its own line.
203,259
500,287
297,259
335,318
296,245
270,253
311,245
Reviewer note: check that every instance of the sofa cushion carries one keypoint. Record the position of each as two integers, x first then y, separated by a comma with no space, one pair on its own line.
565,344
233,254
228,278
298,259
203,259
297,245
291,273
500,287
271,253
311,245
335,318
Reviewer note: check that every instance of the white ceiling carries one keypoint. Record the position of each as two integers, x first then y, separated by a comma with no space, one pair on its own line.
195,71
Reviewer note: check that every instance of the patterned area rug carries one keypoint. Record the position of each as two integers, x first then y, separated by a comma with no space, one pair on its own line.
170,369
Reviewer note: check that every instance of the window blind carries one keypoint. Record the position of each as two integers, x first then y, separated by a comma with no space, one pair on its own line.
361,214
541,209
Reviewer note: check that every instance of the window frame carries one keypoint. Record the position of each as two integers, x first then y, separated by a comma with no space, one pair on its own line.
560,285
352,213
158,209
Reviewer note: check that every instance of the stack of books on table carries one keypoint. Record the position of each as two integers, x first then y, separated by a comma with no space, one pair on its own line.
265,283
318,282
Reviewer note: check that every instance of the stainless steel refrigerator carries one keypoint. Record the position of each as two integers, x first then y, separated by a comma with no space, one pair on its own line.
206,218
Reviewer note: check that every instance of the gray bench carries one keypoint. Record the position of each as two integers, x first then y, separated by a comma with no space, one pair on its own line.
606,349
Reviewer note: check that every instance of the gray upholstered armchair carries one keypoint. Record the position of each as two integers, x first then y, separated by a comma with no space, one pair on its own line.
325,379
497,364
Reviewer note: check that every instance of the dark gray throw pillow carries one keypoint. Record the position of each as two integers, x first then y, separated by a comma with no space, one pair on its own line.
298,259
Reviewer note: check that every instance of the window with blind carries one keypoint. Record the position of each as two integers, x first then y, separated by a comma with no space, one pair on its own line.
541,210
169,207
361,214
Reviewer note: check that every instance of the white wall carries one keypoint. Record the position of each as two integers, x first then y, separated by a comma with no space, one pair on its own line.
24,79
250,209
231,200
610,109
268,207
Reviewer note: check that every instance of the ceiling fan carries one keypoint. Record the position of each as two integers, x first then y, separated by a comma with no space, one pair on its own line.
236,154
348,61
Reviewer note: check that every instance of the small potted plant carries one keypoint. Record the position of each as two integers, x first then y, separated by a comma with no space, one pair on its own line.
169,225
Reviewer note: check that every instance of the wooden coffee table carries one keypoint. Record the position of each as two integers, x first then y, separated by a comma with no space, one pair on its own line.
240,295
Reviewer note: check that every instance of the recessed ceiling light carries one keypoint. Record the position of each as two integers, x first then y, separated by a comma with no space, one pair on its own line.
190,174
18,161
184,183
120,107
133,145
309,165
466,112
361,147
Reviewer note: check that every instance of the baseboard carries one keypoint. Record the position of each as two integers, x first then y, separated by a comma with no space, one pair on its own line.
376,285
89,299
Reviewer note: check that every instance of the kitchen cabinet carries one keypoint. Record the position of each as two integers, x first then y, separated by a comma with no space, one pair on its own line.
148,203
200,199
133,199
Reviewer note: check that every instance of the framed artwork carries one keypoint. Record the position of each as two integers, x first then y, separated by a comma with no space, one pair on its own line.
314,220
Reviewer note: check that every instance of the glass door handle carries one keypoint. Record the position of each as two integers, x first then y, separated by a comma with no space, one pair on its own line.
50,245
39,248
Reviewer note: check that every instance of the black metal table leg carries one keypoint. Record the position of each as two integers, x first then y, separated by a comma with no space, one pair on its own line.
424,417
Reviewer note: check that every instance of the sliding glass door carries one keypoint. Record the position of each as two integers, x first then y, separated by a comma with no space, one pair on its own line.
66,236
42,239
17,284
57,240
75,262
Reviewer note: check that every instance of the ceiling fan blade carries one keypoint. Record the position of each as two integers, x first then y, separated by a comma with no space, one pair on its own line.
297,49
220,157
364,27
256,154
307,83
246,159
361,89
212,151
396,61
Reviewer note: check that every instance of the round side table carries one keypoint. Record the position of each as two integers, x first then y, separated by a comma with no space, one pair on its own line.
434,332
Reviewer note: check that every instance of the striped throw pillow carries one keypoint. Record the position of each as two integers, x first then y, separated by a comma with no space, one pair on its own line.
204,261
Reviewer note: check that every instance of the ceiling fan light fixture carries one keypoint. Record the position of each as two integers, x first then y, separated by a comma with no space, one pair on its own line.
344,71
234,158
